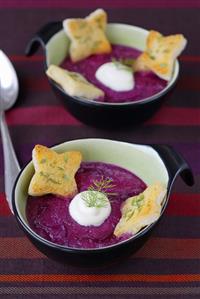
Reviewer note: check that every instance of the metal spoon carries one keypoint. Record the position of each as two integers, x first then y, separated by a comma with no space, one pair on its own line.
9,88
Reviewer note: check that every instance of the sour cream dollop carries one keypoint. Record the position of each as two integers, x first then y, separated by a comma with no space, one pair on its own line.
86,215
116,76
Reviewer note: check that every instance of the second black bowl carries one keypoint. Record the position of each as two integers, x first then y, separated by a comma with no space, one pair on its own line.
150,163
56,44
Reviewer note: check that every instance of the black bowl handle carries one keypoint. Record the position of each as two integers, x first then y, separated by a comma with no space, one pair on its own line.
175,164
42,37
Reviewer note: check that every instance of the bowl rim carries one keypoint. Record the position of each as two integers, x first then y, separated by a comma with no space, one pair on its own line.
147,100
64,248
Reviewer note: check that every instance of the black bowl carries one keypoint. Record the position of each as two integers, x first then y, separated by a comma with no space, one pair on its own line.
150,162
55,45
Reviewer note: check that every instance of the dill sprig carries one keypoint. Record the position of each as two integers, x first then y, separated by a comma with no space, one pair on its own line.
99,200
94,199
103,185
123,63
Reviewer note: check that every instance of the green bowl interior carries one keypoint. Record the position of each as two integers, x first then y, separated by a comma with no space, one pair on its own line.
141,160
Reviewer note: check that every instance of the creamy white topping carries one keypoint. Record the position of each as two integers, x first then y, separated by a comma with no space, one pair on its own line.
116,76
90,208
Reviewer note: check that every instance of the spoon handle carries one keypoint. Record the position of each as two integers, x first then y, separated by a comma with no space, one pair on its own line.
11,165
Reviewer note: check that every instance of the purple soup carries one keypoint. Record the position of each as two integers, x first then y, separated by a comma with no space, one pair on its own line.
146,83
49,217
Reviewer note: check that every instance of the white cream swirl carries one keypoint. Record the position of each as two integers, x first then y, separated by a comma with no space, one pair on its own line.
116,76
90,208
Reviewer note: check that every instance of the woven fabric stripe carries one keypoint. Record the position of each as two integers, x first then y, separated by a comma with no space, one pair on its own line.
97,3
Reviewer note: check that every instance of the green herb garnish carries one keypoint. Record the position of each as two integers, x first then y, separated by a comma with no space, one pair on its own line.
152,57
53,181
99,22
65,177
99,200
94,199
151,54
82,25
48,178
122,64
96,44
74,75
137,203
65,158
166,51
85,40
129,214
53,164
102,186
44,160
163,64
61,168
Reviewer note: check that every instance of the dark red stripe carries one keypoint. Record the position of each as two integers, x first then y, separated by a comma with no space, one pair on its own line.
41,115
176,117
190,58
37,84
173,278
16,58
180,204
4,209
155,248
189,83
41,83
58,115
36,58
98,3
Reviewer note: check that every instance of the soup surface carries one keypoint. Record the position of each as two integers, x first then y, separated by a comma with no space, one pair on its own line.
146,83
49,215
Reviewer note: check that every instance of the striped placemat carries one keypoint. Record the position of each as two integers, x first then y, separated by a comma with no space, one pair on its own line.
168,266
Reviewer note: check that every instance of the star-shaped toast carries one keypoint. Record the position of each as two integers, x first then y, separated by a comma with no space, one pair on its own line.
54,173
74,83
87,35
141,210
160,54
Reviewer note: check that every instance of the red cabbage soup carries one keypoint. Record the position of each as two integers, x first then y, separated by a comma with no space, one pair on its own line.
146,83
49,215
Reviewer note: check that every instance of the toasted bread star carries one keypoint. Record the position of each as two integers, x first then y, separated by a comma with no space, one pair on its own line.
87,35
160,54
74,83
54,173
141,210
